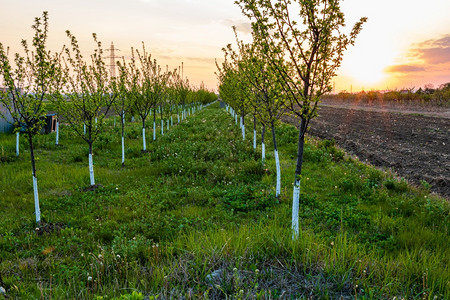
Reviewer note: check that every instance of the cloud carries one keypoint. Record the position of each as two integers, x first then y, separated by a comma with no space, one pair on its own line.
404,69
435,51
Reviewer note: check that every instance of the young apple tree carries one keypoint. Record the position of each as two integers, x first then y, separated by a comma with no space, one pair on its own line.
304,42
122,104
28,83
90,94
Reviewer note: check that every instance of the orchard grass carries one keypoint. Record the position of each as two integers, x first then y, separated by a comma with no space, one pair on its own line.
196,217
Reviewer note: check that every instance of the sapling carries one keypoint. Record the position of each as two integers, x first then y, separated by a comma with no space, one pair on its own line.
28,83
305,56
122,104
91,94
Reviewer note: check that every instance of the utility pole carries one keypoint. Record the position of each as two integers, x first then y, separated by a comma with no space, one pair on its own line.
112,59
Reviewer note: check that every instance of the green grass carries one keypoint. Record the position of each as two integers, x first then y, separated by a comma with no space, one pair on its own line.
200,202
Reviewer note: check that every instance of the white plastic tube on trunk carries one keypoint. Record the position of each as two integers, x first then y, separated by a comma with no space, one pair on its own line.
36,200
240,122
57,132
154,131
84,129
162,127
277,162
123,150
254,139
168,128
243,132
295,208
235,119
17,143
143,139
263,151
91,169
171,121
178,116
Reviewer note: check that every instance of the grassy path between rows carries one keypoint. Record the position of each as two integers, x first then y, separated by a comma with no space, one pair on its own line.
196,217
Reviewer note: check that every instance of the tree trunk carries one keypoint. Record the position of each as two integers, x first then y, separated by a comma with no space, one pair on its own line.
298,172
277,161
35,187
143,135
254,132
263,145
91,165
57,133
243,125
162,121
17,143
123,139
154,125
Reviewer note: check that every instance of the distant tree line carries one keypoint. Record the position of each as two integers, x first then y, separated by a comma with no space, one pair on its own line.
428,95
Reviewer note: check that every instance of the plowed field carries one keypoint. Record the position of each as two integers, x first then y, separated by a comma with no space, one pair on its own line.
413,145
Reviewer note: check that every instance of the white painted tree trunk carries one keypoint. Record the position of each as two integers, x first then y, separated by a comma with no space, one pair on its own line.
178,116
240,122
295,209
123,150
91,169
168,128
243,132
36,200
235,119
162,127
263,151
171,120
57,132
277,162
143,139
254,139
17,143
84,129
154,131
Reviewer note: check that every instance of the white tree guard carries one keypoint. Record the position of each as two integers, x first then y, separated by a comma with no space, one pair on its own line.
168,128
36,200
154,131
91,169
143,139
178,116
84,129
295,209
171,121
57,132
17,143
123,150
254,139
263,151
243,132
162,127
277,162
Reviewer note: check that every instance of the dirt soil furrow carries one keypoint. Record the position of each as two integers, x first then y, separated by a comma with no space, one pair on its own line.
415,146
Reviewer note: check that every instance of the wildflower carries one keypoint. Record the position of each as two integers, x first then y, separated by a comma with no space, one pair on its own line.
332,243
89,278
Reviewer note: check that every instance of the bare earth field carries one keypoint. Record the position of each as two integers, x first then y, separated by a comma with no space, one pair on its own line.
414,143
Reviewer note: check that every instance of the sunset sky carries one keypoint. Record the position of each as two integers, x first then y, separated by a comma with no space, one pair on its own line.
404,44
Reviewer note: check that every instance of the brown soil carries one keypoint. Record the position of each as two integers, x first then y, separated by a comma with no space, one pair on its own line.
413,145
